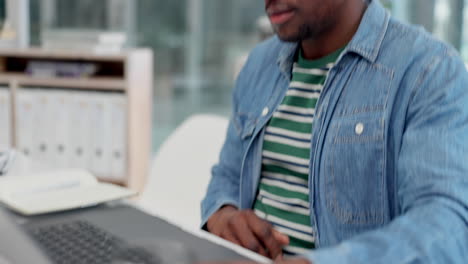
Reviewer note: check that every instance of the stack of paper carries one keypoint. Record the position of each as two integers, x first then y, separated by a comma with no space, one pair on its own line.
57,191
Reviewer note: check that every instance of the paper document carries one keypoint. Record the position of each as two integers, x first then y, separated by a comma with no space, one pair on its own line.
57,191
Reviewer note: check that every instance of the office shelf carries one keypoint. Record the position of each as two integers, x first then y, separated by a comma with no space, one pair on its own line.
96,83
128,75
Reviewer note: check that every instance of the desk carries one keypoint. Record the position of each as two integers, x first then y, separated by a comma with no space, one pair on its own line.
131,224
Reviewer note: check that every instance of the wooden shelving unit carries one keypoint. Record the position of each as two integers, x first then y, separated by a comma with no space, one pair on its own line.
129,73
98,83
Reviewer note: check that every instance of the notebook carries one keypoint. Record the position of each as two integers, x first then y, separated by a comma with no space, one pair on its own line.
57,191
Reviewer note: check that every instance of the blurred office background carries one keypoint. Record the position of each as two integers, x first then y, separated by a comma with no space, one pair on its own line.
198,44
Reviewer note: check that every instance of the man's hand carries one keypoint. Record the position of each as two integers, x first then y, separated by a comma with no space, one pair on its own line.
292,261
247,230
278,261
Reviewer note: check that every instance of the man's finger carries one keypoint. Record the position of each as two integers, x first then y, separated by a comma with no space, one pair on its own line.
230,236
264,232
229,262
280,237
246,236
279,258
292,261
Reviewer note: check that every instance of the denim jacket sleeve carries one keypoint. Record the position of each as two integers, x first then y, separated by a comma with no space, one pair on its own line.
432,175
224,187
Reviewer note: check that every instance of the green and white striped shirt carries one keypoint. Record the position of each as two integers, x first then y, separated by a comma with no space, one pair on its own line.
283,194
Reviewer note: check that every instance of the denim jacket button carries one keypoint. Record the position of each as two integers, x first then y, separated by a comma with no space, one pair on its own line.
359,128
265,111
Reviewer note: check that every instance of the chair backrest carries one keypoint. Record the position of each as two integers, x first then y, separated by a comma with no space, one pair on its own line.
181,170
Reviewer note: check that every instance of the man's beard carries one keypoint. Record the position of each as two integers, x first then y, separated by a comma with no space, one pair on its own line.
307,31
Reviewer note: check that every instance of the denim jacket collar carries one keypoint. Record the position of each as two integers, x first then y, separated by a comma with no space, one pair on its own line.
366,42
286,58
371,32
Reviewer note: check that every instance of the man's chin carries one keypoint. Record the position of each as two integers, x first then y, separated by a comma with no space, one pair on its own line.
287,35
302,33
288,38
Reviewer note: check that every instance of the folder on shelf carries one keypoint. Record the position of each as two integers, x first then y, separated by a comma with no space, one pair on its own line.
57,191
44,125
118,146
100,140
25,116
5,119
80,131
59,134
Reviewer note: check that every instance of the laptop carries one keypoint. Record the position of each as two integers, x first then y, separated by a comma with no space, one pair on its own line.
114,234
12,237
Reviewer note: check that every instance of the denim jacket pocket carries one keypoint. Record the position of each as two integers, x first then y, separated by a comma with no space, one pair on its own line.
354,157
245,125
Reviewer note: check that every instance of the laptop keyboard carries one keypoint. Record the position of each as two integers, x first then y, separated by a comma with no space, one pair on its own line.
82,242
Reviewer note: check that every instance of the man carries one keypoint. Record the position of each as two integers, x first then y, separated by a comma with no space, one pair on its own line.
348,142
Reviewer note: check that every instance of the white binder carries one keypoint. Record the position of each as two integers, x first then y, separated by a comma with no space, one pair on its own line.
59,128
24,118
101,127
119,137
80,131
43,126
5,119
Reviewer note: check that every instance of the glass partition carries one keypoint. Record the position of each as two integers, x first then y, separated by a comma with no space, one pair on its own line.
446,19
87,23
2,13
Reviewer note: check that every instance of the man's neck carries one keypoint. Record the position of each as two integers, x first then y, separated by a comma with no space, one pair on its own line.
339,35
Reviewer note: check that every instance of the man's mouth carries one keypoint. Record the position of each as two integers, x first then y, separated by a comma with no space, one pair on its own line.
280,14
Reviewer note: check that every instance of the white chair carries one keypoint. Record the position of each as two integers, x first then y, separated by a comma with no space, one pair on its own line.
181,170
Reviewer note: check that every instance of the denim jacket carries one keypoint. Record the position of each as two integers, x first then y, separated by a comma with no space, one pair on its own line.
395,191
